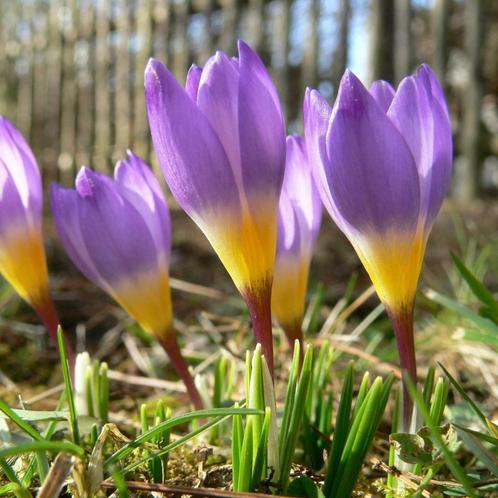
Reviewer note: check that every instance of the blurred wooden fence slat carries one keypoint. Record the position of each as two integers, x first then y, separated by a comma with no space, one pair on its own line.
102,86
439,35
469,166
67,18
85,84
402,39
140,132
121,81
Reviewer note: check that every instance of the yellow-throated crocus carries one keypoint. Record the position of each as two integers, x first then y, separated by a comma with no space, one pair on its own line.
382,162
299,218
118,233
22,255
220,142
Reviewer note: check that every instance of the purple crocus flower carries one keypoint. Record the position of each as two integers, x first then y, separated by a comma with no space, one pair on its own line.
300,215
118,233
22,255
221,146
382,162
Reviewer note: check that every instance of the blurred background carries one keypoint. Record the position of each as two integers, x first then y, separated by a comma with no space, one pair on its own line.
72,70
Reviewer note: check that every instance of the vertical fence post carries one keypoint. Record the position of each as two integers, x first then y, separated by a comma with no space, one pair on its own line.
402,39
382,39
143,30
85,68
102,90
468,173
341,52
67,18
439,20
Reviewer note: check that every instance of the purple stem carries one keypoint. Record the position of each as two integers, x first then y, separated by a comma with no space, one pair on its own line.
259,305
402,322
170,345
293,331
50,318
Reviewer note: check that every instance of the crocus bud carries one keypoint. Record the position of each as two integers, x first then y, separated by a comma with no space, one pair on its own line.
22,255
382,163
299,219
221,146
118,233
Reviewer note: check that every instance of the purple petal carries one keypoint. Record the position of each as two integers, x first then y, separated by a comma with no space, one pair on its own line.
12,210
18,158
436,88
65,209
370,172
316,114
114,233
299,188
300,211
261,128
190,154
142,189
417,113
218,100
192,83
249,58
383,93
289,229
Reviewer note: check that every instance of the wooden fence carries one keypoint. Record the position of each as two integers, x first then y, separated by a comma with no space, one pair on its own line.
71,71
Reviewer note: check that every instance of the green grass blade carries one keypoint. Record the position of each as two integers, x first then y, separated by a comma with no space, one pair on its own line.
273,447
22,424
479,435
68,387
47,435
289,400
173,422
175,444
438,401
120,483
485,456
362,393
341,430
258,471
451,462
52,446
14,489
485,324
466,397
37,415
360,437
429,385
256,397
246,458
237,435
479,290
12,477
296,417
391,481
103,392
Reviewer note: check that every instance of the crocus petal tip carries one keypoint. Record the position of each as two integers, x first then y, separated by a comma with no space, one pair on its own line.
85,182
154,70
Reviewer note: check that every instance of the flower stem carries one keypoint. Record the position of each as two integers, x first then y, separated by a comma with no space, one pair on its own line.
259,305
402,322
170,345
293,331
50,318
